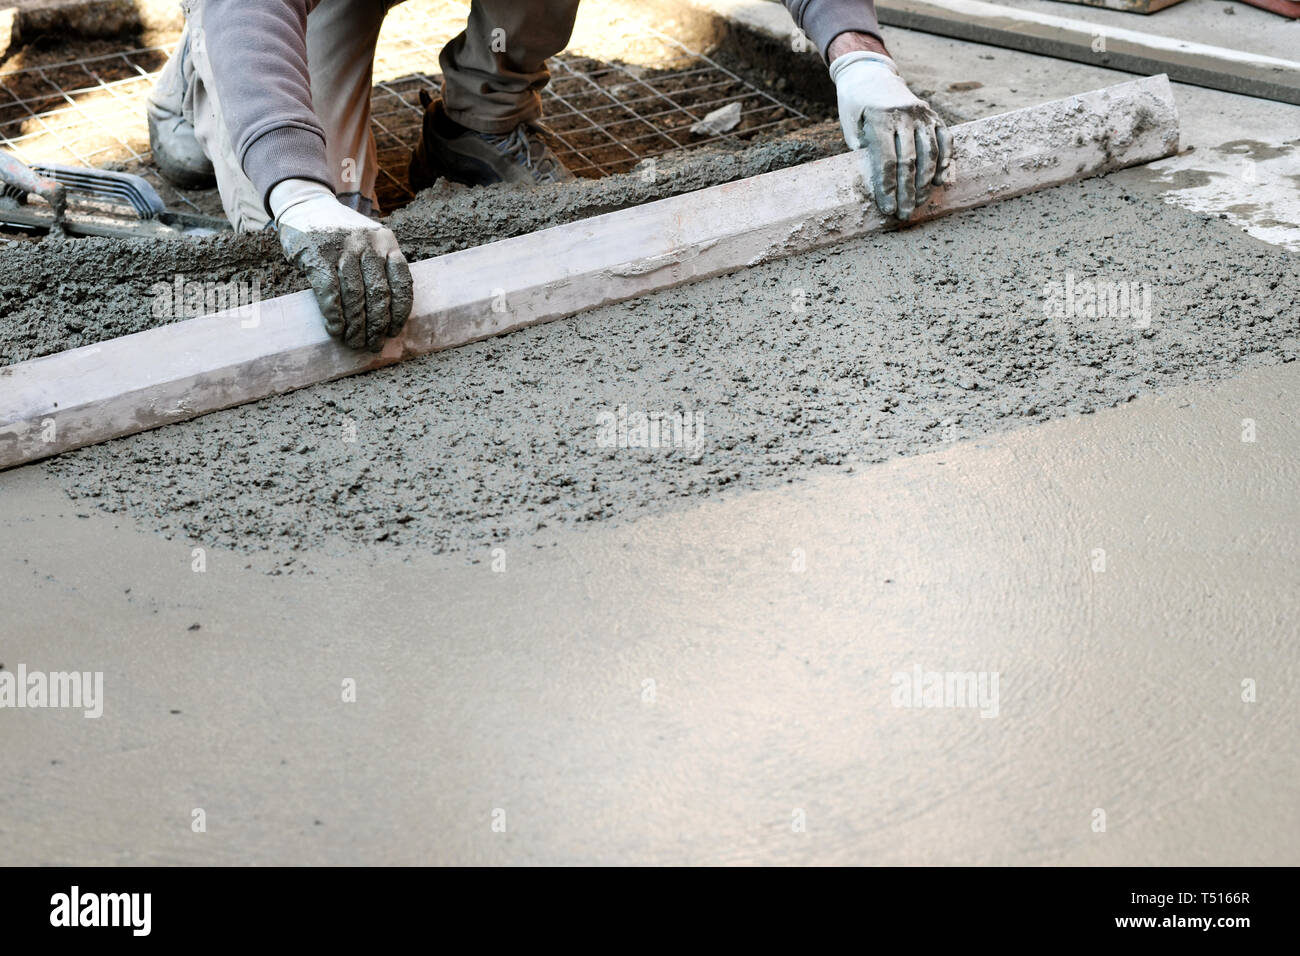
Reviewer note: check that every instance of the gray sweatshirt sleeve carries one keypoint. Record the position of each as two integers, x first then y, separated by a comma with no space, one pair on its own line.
258,51
824,20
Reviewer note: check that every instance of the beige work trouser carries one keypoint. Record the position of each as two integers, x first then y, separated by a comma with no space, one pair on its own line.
489,85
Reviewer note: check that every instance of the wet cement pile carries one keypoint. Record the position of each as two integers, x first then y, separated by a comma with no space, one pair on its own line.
61,294
877,348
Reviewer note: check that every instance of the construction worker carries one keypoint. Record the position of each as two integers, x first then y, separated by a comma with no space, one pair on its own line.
271,99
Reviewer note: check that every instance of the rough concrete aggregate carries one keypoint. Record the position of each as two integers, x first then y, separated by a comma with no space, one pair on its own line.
880,347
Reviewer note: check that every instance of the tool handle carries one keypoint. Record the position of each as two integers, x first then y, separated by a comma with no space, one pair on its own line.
21,177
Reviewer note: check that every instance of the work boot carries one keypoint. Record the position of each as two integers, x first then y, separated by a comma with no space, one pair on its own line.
176,151
466,156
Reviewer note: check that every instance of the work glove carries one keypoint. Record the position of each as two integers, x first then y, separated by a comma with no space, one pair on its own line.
359,275
908,147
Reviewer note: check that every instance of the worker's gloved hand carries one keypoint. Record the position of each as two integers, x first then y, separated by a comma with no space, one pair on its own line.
908,145
355,267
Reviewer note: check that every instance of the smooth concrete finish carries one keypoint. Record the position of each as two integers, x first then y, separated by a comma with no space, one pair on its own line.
1220,22
711,686
1135,51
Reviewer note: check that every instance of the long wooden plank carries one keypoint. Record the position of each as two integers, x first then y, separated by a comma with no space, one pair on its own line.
1116,48
175,372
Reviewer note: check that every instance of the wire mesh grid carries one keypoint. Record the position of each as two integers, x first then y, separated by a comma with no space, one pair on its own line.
85,112
605,112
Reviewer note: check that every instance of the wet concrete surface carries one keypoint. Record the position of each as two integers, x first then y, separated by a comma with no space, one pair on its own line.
827,361
715,685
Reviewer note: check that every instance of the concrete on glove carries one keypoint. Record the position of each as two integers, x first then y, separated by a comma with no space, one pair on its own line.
361,279
908,149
